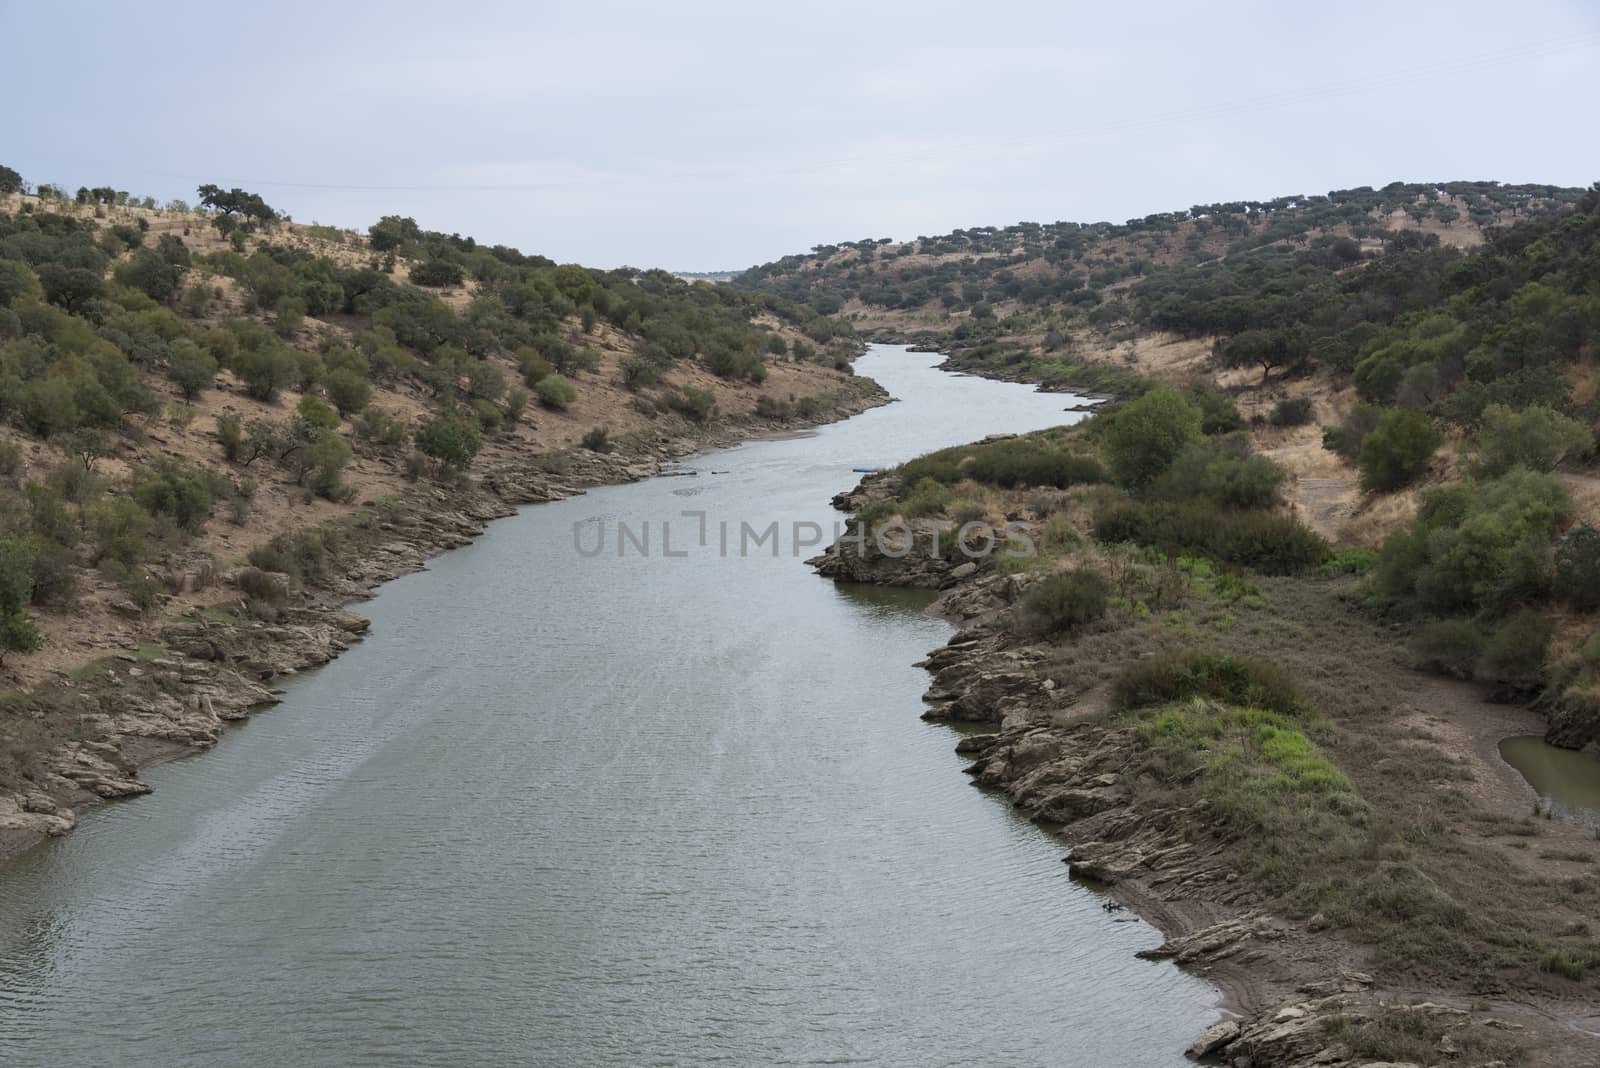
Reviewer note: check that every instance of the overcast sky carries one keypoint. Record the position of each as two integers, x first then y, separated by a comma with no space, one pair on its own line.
703,136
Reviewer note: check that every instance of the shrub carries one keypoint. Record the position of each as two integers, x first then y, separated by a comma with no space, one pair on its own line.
697,404
437,274
1346,438
1218,413
1515,655
266,586
556,392
1237,680
315,414
265,371
117,529
230,434
1476,547
192,369
325,460
1222,472
1061,602
1292,411
1536,438
1397,450
1577,569
450,438
1449,647
1147,435
348,391
17,632
169,491
1272,544
597,440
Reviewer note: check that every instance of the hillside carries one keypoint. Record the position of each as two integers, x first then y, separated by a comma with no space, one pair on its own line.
215,413
1377,345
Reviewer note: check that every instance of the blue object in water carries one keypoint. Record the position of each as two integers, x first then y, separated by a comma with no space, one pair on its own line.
866,470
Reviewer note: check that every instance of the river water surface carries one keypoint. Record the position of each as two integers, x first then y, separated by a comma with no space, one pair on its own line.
568,810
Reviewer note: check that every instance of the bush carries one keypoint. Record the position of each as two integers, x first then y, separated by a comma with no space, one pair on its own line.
1272,544
1061,602
118,528
1577,570
597,440
450,438
348,391
315,414
1346,438
192,369
1292,411
437,274
556,392
1237,680
697,404
1397,450
17,632
1514,657
1223,472
1218,413
1449,647
167,490
1536,438
1477,546
1145,436
265,371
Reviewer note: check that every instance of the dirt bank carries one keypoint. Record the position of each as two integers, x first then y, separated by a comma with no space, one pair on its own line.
84,735
1378,981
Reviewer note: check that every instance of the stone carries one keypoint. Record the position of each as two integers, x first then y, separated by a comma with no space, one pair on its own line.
1212,1039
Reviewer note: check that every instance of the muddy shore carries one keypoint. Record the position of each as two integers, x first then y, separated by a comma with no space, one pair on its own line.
1296,990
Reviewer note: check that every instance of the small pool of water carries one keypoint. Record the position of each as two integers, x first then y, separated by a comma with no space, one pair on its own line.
1568,779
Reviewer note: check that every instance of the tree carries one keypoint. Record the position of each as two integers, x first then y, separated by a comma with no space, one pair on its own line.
17,632
1397,450
10,180
1148,434
70,287
16,280
317,415
1577,574
236,201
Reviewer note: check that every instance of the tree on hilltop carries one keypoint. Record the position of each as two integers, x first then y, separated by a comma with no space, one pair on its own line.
10,180
236,201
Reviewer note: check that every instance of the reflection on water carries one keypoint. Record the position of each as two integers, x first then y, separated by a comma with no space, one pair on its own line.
1568,778
575,811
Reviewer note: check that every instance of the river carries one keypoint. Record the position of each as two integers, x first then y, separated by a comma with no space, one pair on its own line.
581,810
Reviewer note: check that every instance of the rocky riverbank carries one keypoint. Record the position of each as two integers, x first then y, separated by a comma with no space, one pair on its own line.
1299,990
85,736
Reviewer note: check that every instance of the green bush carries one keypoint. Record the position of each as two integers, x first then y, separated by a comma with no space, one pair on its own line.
1577,568
1218,413
1223,472
1061,602
117,529
1515,656
556,392
697,404
1346,438
166,490
1536,438
315,414
450,438
1476,546
192,369
1272,544
1237,680
17,632
1397,450
1145,436
348,391
597,440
